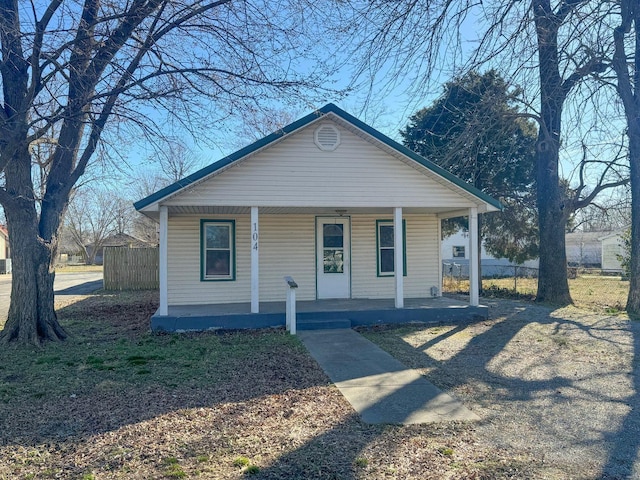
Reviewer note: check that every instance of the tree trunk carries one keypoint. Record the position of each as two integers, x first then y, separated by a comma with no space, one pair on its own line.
32,317
553,210
553,285
633,300
628,86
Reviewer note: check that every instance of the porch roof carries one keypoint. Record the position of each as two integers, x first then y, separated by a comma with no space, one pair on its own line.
341,210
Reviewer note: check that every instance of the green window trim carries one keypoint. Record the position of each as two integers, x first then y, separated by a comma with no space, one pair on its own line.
224,254
380,223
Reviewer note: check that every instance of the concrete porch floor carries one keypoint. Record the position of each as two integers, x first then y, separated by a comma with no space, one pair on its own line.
352,311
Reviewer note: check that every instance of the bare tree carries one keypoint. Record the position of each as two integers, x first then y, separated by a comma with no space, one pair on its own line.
123,211
605,214
91,217
254,124
552,49
77,74
626,64
176,160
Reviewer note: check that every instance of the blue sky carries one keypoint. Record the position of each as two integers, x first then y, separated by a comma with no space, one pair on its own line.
385,104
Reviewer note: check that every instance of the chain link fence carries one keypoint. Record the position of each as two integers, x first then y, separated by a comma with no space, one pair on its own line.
589,287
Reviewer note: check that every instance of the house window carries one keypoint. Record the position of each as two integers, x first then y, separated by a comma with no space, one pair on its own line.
386,249
217,239
333,248
458,252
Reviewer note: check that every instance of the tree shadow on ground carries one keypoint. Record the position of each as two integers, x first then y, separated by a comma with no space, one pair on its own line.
624,449
572,388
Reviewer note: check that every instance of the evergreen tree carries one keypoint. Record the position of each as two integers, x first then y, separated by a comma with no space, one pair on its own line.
476,131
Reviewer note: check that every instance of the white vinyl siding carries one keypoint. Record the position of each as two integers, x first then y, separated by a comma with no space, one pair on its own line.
295,172
287,247
421,253
611,248
184,269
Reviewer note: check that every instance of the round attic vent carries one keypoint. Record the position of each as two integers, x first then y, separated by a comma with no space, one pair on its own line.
327,137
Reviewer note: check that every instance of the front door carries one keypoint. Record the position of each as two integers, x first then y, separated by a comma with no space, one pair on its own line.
333,265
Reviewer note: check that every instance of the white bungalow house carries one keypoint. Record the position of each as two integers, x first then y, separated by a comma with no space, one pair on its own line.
351,215
5,256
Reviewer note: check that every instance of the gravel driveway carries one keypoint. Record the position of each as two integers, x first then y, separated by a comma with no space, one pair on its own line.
561,385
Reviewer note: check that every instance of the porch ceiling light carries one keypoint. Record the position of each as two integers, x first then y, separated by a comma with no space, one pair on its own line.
341,211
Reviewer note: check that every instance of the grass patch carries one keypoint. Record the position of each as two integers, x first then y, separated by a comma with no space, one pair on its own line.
241,462
78,268
173,468
46,360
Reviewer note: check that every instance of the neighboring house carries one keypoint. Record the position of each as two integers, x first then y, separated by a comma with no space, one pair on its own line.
584,249
5,254
321,201
455,258
115,240
611,246
4,242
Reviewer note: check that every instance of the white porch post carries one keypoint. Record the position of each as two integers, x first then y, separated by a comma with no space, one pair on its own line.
255,261
399,256
473,257
440,281
162,265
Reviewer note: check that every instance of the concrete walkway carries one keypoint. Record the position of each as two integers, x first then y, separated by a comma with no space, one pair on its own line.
379,387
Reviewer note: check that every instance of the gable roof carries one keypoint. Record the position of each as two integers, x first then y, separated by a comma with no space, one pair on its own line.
580,238
122,239
615,233
330,108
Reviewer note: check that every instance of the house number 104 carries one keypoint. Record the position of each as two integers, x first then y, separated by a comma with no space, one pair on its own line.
254,237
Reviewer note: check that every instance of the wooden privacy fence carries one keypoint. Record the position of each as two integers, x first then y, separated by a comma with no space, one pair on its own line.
130,268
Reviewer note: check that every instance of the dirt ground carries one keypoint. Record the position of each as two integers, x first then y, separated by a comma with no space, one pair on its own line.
555,390
559,384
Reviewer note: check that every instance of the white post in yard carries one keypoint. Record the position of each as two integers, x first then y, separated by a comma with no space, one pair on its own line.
162,265
398,260
290,312
474,287
255,261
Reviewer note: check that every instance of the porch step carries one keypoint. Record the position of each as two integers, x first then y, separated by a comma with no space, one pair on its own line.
323,324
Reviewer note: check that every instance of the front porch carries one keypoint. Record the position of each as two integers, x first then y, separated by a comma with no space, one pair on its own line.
316,314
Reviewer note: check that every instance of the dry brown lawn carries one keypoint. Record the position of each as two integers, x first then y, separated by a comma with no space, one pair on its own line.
78,268
594,292
115,401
